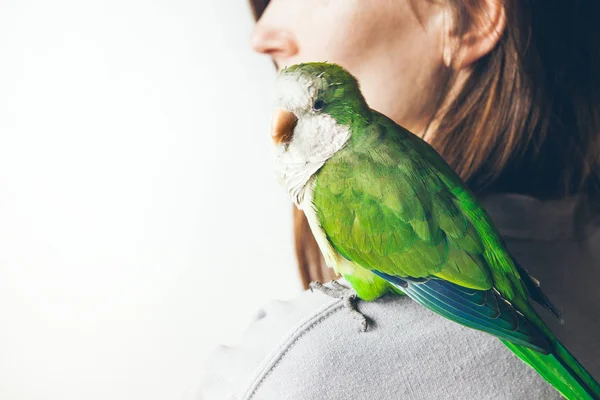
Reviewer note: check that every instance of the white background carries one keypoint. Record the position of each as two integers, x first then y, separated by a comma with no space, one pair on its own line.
140,221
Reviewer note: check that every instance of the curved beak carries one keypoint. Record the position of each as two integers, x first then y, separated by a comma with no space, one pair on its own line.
282,126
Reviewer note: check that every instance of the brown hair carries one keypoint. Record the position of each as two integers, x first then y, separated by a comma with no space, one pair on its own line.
527,119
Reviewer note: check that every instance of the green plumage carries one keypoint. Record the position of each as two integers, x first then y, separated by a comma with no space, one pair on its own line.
393,210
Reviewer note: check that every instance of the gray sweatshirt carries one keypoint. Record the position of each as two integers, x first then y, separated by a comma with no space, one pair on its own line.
312,348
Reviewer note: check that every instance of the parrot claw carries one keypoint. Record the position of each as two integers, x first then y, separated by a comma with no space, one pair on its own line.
348,296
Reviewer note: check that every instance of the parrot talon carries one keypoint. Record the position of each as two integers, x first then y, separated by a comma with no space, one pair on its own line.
350,304
340,287
348,296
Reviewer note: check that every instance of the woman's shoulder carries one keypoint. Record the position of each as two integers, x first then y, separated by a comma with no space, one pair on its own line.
311,347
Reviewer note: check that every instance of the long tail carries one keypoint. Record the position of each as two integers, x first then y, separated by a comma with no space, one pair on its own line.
561,370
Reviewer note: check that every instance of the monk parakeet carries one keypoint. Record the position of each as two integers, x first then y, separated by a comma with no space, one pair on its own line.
391,216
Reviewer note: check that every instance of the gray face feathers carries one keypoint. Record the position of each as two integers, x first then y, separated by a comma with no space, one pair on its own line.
305,131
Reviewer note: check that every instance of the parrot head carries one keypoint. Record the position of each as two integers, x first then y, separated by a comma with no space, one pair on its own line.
317,105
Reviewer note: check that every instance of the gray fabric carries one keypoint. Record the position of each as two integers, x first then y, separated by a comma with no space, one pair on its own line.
311,348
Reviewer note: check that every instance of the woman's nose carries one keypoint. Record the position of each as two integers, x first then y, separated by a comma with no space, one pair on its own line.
275,42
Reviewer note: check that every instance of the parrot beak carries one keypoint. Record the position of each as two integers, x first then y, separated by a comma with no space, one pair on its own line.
282,126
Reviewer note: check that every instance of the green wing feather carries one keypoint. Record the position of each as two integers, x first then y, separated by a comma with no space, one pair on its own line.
392,210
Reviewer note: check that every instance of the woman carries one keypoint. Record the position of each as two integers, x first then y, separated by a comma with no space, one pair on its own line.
508,92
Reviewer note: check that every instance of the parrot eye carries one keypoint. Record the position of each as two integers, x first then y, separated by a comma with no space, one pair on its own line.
319,104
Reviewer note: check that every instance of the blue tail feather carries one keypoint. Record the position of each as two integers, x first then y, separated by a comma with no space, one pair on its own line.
484,310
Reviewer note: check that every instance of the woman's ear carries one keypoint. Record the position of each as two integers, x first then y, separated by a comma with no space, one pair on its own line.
485,26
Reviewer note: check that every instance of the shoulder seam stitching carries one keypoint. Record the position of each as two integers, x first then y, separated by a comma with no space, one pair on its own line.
307,327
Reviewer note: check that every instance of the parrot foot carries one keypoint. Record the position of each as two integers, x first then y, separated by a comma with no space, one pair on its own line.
348,297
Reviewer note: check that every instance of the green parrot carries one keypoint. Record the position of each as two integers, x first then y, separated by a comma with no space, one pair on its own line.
391,216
